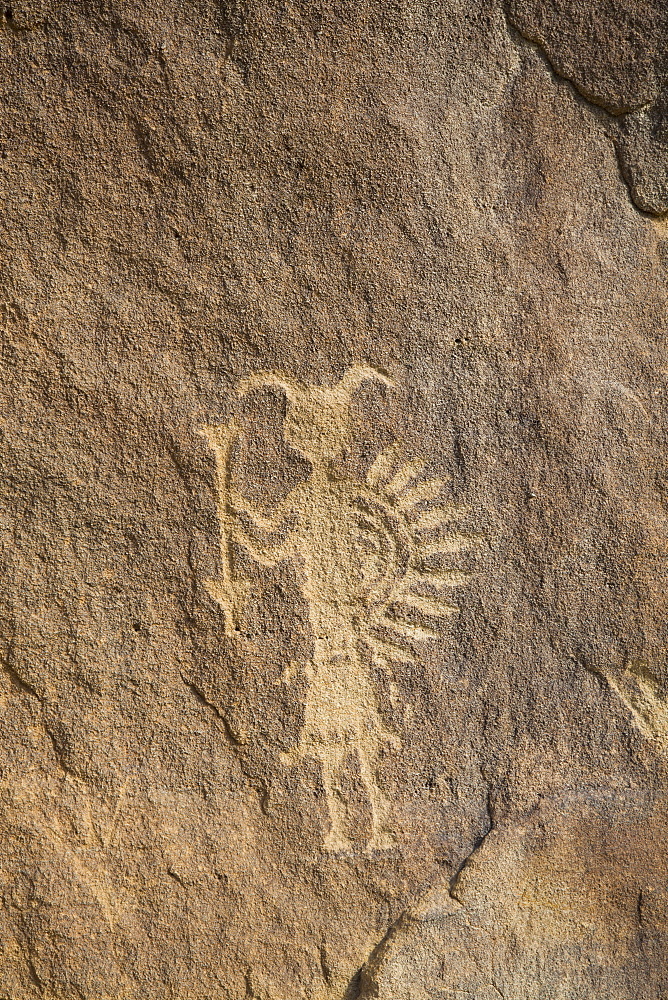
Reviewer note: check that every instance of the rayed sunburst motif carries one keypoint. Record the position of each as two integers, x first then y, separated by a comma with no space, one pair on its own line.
409,538
377,568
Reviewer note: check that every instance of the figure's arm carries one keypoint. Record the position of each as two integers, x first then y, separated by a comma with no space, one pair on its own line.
267,553
232,509
278,520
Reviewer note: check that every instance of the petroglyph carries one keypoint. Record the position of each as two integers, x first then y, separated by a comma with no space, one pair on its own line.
643,695
376,560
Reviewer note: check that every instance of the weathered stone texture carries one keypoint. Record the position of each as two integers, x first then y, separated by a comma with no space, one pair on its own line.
570,902
246,248
616,56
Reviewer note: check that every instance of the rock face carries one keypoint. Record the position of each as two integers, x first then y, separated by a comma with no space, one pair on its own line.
572,901
334,535
616,56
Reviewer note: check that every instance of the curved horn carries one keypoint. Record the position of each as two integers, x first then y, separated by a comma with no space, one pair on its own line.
363,373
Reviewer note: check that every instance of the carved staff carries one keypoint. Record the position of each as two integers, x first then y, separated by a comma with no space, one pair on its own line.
221,439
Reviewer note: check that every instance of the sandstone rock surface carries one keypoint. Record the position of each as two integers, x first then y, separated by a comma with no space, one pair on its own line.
334,522
569,902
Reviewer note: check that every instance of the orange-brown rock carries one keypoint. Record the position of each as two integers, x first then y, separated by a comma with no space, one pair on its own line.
334,521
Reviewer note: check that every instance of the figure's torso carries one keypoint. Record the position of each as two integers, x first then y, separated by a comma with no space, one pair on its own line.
327,540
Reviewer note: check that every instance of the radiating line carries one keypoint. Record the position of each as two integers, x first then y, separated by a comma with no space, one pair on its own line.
428,605
437,517
418,494
447,545
406,474
389,650
421,632
383,464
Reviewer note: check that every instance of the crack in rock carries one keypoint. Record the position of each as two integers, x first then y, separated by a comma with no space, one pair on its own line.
627,86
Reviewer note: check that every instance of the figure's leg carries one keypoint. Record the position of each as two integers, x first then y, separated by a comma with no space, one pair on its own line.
336,840
382,836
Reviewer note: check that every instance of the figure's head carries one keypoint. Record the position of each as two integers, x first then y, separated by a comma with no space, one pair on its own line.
317,422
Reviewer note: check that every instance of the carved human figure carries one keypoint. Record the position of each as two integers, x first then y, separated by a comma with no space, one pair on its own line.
366,553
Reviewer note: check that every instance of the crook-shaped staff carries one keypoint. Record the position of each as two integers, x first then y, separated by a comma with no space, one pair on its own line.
221,439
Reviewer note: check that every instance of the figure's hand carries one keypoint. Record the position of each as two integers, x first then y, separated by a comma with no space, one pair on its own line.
226,598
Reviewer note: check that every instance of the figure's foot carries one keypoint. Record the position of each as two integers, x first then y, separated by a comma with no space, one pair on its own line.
381,840
335,843
392,739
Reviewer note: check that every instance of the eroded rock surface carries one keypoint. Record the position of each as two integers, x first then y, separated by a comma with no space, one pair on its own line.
570,902
334,495
616,56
